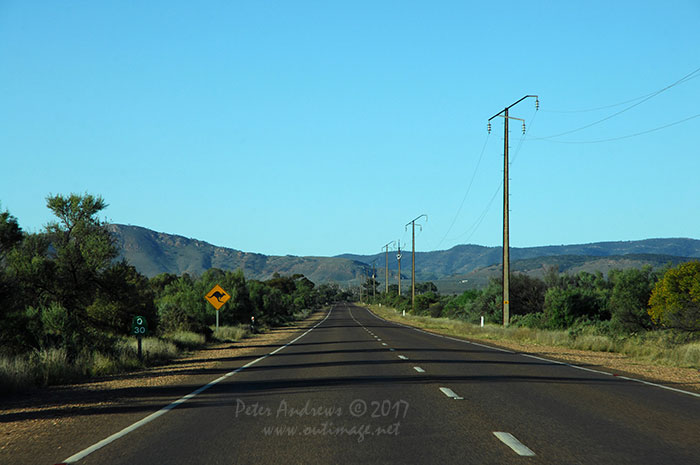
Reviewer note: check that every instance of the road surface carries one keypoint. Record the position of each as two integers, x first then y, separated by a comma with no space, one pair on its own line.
358,389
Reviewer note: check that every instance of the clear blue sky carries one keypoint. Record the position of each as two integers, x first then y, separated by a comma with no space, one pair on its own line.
319,128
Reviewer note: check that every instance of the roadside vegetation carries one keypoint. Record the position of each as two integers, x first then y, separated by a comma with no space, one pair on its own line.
67,302
651,316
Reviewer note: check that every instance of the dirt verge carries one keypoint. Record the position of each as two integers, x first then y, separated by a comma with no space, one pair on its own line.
687,379
37,416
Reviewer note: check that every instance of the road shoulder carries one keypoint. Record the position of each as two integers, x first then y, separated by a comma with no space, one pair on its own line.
687,379
46,425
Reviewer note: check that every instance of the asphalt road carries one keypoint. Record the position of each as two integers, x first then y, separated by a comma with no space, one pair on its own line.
358,389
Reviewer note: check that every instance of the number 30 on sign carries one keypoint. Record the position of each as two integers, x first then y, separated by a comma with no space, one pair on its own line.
139,326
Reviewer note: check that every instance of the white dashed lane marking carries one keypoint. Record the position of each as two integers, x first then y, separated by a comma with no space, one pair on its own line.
450,393
510,441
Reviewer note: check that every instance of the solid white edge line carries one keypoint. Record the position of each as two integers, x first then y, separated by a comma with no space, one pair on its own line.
450,393
440,335
98,445
557,362
659,386
517,446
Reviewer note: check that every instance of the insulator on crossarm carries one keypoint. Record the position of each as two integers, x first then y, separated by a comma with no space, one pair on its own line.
489,127
537,104
523,128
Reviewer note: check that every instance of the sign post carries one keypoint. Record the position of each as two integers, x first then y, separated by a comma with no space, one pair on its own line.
139,327
217,297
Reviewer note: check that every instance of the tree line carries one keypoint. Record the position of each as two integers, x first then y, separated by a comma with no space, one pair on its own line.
621,302
64,287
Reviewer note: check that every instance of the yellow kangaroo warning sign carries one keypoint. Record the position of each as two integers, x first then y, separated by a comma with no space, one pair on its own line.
217,297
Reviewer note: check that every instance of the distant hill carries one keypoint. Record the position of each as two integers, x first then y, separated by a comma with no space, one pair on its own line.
153,253
464,259
572,264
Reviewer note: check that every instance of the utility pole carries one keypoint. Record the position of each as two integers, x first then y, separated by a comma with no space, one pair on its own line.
386,264
506,226
413,269
374,284
398,257
361,276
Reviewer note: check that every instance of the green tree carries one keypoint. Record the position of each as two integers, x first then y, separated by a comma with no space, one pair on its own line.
122,294
181,306
675,299
425,300
489,303
239,308
13,335
563,307
82,248
583,296
159,282
304,293
327,293
458,306
270,304
526,294
59,271
61,287
10,233
631,290
26,280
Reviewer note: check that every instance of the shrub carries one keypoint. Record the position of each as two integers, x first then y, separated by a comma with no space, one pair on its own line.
531,320
628,300
675,300
230,333
564,306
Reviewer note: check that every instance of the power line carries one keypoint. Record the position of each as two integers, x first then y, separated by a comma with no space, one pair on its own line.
588,110
475,226
472,229
524,136
649,97
627,136
464,199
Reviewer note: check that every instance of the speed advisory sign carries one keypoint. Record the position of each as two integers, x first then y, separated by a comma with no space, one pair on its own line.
139,326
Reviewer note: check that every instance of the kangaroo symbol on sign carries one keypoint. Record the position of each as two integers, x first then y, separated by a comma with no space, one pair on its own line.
217,295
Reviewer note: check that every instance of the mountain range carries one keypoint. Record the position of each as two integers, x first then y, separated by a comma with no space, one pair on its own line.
452,270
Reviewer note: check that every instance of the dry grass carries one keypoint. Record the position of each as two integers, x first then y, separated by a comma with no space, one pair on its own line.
22,436
186,340
52,366
654,347
231,333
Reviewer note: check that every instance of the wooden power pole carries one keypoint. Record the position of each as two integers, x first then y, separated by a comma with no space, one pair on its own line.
506,226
